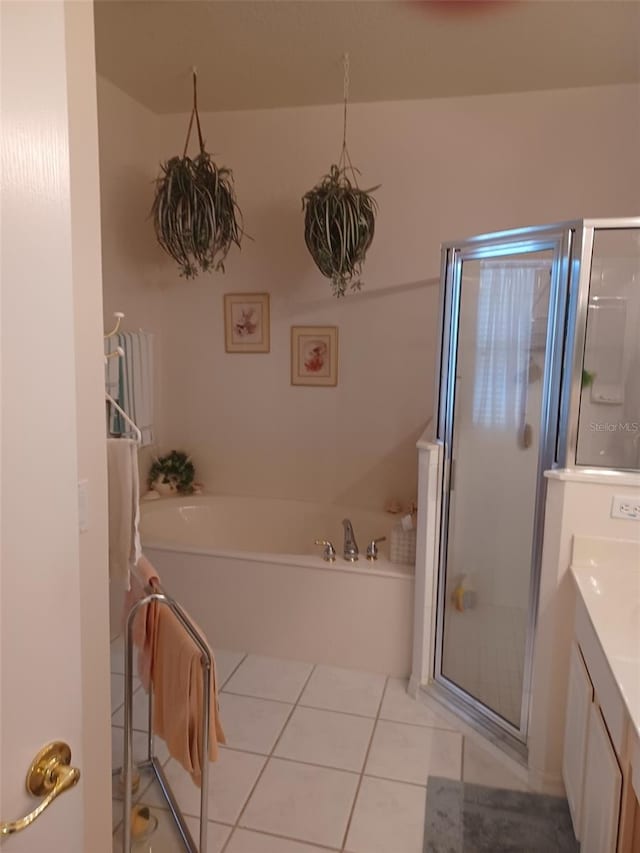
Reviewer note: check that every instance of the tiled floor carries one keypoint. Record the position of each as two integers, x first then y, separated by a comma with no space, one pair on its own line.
318,758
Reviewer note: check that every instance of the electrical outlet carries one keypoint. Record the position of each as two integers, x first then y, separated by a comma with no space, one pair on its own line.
626,506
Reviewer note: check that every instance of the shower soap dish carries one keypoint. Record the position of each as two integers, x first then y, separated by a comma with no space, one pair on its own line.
403,543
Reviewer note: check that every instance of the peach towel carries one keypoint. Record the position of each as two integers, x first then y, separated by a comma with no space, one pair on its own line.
176,675
169,661
143,621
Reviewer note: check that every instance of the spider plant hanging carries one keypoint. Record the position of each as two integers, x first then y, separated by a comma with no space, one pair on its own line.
195,212
339,218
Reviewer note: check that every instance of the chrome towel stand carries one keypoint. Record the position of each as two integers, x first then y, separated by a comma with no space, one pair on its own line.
157,594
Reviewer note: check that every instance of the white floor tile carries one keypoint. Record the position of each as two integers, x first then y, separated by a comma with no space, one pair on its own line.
231,780
167,839
226,662
117,655
412,753
269,678
217,834
302,802
346,690
139,747
252,724
327,738
140,710
116,812
388,816
398,706
248,841
481,767
117,691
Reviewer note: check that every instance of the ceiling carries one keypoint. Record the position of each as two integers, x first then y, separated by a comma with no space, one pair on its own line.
253,54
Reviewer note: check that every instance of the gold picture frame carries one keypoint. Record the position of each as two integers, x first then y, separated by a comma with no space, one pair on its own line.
314,355
246,322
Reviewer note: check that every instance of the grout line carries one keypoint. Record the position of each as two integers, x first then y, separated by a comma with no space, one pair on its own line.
295,760
313,844
262,698
336,711
364,764
121,705
268,758
233,671
399,781
229,837
420,725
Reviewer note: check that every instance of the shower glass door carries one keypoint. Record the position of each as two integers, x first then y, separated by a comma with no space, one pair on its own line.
503,342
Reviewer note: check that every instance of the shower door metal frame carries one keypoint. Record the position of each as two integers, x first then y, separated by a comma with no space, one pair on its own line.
579,282
559,240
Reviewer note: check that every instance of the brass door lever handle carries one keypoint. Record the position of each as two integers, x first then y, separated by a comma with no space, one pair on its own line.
50,774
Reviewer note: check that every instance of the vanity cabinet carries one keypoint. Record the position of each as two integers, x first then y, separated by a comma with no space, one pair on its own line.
599,750
602,789
579,701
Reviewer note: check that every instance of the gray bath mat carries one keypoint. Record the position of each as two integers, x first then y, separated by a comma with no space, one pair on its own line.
463,818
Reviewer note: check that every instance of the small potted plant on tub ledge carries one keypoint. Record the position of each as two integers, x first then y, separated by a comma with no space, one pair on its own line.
172,474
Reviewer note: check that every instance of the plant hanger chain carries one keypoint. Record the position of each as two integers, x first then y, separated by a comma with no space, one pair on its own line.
345,160
194,112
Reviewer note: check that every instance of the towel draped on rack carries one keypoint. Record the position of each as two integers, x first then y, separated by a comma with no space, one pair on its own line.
124,508
169,664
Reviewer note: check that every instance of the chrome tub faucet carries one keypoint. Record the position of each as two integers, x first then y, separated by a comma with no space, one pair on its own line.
350,552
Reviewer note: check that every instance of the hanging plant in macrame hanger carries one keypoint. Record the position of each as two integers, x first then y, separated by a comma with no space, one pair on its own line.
195,213
339,217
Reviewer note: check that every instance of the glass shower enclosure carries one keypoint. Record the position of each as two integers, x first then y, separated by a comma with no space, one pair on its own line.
539,358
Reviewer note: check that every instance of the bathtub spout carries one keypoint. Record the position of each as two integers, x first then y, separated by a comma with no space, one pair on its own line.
350,545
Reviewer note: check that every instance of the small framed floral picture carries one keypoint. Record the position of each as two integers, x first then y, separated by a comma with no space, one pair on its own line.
246,322
314,355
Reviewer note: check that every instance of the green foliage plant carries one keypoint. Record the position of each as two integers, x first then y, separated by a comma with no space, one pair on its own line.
195,213
175,468
340,218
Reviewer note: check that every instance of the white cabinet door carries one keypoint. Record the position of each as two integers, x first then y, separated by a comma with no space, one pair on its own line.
602,787
579,700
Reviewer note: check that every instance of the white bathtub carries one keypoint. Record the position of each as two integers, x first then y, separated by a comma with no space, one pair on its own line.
248,572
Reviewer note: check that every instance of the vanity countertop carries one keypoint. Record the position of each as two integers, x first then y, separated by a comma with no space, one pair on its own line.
607,574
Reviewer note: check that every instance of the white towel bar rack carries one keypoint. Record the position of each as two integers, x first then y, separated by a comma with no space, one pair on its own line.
157,594
134,427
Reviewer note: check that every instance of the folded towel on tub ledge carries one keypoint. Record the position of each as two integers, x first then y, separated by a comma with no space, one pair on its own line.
169,664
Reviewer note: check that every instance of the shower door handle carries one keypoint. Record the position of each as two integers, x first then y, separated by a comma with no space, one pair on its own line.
51,774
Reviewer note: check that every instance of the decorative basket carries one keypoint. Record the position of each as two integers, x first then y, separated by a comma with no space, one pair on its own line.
402,546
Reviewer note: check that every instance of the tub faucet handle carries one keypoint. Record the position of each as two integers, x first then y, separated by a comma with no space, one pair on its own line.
372,548
329,552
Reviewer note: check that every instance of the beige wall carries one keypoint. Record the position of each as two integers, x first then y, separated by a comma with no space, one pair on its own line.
448,168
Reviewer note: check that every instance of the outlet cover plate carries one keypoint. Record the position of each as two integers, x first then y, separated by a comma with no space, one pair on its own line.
626,506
